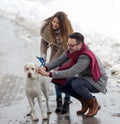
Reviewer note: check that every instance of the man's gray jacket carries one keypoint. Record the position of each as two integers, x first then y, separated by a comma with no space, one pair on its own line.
81,69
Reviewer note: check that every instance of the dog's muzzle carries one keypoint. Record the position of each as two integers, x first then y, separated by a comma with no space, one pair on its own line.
29,75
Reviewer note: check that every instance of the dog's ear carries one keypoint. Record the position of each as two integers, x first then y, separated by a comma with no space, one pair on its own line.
25,67
37,67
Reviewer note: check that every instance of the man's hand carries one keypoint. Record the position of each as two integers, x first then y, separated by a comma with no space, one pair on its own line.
43,71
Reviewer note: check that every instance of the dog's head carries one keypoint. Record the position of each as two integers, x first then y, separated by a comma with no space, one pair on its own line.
31,70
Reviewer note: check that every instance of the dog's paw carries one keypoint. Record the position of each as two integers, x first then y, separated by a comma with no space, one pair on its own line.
28,114
35,119
45,117
49,112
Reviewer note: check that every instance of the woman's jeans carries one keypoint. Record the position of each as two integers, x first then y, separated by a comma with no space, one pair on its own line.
78,88
59,93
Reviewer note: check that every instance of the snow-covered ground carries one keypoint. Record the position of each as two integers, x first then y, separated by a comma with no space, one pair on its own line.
97,20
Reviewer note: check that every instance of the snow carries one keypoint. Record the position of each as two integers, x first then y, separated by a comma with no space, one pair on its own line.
97,20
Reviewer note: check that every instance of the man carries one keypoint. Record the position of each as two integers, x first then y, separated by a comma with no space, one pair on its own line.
82,74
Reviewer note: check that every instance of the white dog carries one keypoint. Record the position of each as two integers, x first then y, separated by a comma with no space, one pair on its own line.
35,83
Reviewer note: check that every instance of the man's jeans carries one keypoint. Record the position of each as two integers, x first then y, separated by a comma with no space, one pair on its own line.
78,88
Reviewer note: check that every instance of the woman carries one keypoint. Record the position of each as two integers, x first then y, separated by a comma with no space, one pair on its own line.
54,33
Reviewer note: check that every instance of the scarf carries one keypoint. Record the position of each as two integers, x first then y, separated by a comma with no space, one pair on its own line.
73,57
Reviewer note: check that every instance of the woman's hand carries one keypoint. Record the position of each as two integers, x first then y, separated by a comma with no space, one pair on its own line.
43,71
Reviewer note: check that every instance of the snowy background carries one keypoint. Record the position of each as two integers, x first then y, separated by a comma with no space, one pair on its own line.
97,20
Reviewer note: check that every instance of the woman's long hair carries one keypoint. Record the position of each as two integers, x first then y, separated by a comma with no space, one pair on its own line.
65,27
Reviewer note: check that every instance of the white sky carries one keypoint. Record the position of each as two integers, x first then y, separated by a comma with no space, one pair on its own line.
97,20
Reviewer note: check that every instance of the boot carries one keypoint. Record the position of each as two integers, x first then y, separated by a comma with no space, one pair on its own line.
59,104
84,106
93,107
65,108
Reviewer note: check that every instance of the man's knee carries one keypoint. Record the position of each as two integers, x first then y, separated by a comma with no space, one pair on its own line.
75,85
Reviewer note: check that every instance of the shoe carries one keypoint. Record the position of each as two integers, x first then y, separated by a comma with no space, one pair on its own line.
93,107
84,106
59,104
66,107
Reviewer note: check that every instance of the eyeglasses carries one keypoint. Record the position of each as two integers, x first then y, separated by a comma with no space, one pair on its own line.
72,45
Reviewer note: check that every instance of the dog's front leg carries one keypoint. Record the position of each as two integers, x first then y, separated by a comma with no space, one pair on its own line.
45,92
43,112
30,112
48,108
31,103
